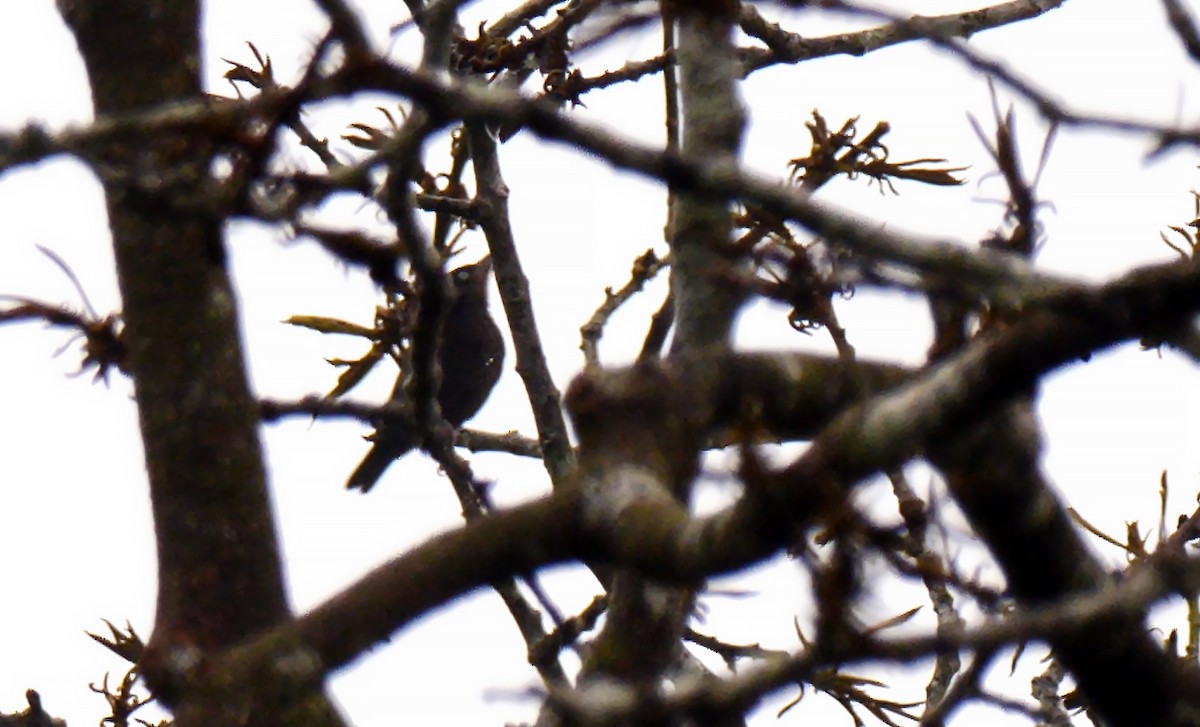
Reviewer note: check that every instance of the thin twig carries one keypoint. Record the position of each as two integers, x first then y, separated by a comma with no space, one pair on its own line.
645,268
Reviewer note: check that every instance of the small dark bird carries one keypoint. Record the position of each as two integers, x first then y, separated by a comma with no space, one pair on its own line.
470,355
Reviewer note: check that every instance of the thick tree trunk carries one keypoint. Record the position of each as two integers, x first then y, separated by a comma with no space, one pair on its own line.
219,573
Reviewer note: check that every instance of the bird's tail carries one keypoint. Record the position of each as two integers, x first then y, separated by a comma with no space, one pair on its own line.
372,467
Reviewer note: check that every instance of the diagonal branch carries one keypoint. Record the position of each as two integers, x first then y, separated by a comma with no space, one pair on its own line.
786,47
658,538
544,397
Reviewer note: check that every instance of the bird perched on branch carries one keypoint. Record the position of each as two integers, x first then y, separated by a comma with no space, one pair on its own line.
470,355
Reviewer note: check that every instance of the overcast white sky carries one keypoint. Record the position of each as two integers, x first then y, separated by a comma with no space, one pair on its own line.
75,534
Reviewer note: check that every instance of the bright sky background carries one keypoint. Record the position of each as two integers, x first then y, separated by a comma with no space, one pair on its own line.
75,536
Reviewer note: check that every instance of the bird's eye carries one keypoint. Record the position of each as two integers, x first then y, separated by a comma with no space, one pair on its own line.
462,276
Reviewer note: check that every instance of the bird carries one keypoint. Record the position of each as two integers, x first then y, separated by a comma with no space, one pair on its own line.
470,355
